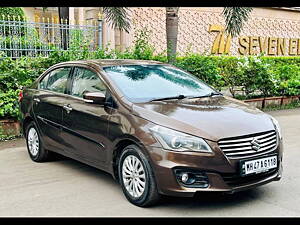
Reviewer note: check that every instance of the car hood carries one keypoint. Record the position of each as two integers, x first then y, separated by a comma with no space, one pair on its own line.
212,118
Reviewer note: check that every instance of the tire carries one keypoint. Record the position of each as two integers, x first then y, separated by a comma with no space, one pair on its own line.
149,195
36,152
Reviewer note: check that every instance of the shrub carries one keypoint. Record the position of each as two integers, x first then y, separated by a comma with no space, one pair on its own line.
256,75
9,12
262,75
15,15
9,107
231,73
205,68
287,79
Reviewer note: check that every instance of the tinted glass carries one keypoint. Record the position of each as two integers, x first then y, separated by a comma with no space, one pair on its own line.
57,80
145,82
86,81
43,83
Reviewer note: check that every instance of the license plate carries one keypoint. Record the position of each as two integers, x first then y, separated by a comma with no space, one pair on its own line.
256,166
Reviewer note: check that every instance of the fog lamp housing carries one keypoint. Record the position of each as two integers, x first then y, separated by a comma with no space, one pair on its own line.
191,178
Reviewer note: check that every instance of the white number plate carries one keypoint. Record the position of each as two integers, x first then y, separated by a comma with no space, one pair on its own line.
259,165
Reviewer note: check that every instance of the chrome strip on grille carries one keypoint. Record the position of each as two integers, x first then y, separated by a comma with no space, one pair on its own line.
229,140
241,147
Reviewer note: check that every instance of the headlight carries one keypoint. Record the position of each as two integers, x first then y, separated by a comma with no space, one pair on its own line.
177,141
277,126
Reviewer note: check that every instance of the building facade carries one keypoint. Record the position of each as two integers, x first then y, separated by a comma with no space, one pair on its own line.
272,31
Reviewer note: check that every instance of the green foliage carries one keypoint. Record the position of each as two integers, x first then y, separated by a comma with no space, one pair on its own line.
16,16
118,16
287,79
142,49
9,12
23,44
15,74
203,67
9,107
235,17
257,76
232,75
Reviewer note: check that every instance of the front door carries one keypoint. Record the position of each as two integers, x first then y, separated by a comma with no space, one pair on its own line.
85,124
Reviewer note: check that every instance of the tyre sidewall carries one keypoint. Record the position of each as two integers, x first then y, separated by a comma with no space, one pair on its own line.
40,151
134,150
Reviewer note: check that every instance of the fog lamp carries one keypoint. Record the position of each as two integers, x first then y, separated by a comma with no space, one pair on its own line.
184,177
191,178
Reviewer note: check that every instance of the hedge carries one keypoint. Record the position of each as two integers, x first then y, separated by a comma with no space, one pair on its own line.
257,75
12,11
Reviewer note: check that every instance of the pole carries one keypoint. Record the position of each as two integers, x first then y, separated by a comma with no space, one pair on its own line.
100,24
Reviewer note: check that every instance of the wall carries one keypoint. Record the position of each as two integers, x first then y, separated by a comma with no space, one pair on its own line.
194,26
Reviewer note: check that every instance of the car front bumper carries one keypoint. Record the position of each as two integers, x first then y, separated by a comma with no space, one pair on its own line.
222,172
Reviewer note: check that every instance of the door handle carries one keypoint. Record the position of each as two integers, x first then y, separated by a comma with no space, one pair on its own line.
68,108
36,100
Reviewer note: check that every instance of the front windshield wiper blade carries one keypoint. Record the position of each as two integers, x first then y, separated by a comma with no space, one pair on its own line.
169,98
208,95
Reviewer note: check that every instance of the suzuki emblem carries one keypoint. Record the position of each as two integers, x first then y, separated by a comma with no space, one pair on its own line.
255,144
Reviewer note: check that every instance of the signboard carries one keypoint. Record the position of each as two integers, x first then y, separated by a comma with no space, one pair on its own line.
253,45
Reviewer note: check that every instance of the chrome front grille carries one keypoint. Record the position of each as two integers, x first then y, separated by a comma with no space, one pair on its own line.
249,145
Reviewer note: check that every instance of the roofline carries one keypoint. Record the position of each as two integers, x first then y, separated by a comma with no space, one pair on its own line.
114,62
297,9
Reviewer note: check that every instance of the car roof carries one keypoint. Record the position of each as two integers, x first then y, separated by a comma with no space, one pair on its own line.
113,62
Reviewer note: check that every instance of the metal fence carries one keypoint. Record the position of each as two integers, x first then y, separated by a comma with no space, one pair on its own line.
24,38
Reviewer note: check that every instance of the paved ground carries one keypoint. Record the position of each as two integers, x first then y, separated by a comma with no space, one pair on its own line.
69,188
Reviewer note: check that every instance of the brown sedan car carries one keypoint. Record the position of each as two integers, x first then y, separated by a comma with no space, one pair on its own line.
157,129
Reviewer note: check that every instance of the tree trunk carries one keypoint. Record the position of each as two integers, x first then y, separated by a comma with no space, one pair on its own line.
63,13
172,32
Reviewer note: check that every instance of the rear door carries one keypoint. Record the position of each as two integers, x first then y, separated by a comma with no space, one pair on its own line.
85,124
48,106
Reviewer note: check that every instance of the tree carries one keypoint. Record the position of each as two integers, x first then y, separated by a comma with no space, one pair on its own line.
235,17
118,17
172,32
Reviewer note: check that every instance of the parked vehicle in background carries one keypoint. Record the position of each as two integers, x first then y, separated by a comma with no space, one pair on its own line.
157,129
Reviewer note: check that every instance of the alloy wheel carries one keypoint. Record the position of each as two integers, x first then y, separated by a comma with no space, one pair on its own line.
33,141
133,174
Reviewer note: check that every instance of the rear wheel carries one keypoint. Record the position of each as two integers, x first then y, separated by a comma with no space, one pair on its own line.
136,177
34,144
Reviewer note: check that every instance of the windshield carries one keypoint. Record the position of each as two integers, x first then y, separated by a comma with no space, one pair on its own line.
143,83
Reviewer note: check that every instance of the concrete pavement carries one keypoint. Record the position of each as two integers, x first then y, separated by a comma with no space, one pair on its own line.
68,188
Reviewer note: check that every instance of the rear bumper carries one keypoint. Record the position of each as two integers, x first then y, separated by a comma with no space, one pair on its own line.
217,168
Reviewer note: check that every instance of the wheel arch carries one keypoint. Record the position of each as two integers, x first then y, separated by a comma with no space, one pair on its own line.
119,145
28,119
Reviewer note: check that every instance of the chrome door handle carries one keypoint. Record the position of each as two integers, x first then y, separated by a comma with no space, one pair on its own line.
68,108
36,99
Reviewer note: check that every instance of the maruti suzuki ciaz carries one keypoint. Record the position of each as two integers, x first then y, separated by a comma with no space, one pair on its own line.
157,129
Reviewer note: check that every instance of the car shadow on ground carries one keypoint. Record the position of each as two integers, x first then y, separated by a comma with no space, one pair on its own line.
84,169
212,200
201,200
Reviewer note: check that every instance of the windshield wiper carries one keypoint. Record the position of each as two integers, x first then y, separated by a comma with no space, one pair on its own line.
168,98
208,95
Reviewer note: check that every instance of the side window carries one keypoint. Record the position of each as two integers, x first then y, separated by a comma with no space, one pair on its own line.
86,81
43,83
57,80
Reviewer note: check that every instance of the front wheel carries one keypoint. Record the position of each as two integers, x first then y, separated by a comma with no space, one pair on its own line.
136,177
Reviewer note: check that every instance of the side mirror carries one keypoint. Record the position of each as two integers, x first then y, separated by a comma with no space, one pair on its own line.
94,97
